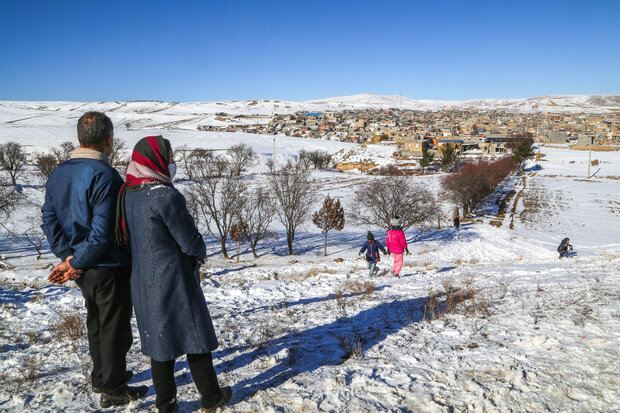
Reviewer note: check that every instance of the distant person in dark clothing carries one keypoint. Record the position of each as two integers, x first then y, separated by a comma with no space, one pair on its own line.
565,248
166,250
455,218
78,221
372,255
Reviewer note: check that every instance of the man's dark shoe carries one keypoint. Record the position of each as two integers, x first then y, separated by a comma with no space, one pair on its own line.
227,393
128,376
124,396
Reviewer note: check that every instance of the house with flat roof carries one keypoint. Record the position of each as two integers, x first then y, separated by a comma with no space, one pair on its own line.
414,147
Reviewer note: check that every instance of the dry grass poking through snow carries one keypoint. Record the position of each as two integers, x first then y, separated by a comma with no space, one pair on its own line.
304,275
610,256
70,327
462,297
348,291
470,261
30,368
595,148
351,346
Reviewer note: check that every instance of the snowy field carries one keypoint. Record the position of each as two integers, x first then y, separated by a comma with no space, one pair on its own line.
317,334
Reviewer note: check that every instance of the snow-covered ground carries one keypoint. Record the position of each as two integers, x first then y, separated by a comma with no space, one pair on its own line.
312,333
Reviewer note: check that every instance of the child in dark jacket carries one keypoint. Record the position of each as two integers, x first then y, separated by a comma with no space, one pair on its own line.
372,248
565,247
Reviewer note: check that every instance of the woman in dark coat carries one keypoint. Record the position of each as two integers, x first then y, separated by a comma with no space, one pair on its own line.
166,249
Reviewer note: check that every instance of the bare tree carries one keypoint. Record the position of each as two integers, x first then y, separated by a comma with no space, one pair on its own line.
63,152
380,200
118,154
119,158
473,182
46,163
303,158
191,159
270,164
216,198
329,217
294,191
318,159
240,156
434,213
34,235
257,214
181,154
9,199
12,160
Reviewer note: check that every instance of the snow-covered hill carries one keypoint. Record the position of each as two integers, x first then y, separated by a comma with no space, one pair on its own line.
557,103
16,116
55,121
317,334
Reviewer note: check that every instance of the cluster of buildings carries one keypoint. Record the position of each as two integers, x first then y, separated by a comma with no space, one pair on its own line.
472,132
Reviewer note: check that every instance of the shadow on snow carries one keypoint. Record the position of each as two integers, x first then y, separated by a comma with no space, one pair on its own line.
321,346
313,348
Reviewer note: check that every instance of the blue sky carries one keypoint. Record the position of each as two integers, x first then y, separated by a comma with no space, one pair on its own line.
217,50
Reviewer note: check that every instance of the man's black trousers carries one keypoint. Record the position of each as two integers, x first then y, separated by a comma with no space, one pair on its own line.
107,297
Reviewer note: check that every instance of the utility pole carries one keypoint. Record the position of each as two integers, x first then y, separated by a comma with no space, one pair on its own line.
590,156
273,168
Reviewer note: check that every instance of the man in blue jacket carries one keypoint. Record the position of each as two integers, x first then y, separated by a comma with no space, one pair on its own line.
78,221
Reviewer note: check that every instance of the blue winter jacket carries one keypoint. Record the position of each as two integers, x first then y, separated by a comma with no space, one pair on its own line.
79,213
372,248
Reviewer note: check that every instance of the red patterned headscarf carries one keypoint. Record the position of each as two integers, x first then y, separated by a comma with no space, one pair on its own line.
149,162
148,166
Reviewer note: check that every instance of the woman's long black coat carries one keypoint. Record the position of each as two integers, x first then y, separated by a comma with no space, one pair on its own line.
170,307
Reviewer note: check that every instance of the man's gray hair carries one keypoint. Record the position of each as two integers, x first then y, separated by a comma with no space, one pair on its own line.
93,128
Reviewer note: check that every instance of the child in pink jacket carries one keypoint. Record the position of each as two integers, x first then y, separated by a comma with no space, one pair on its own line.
396,245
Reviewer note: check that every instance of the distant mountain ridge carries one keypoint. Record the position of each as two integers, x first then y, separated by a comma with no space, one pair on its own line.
553,103
196,112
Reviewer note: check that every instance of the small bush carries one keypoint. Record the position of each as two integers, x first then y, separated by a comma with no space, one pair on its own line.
503,288
34,336
266,331
46,164
70,327
387,170
341,302
358,288
30,368
352,347
431,307
465,299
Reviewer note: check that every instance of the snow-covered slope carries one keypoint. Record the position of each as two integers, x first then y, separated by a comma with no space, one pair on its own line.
190,115
317,334
556,103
